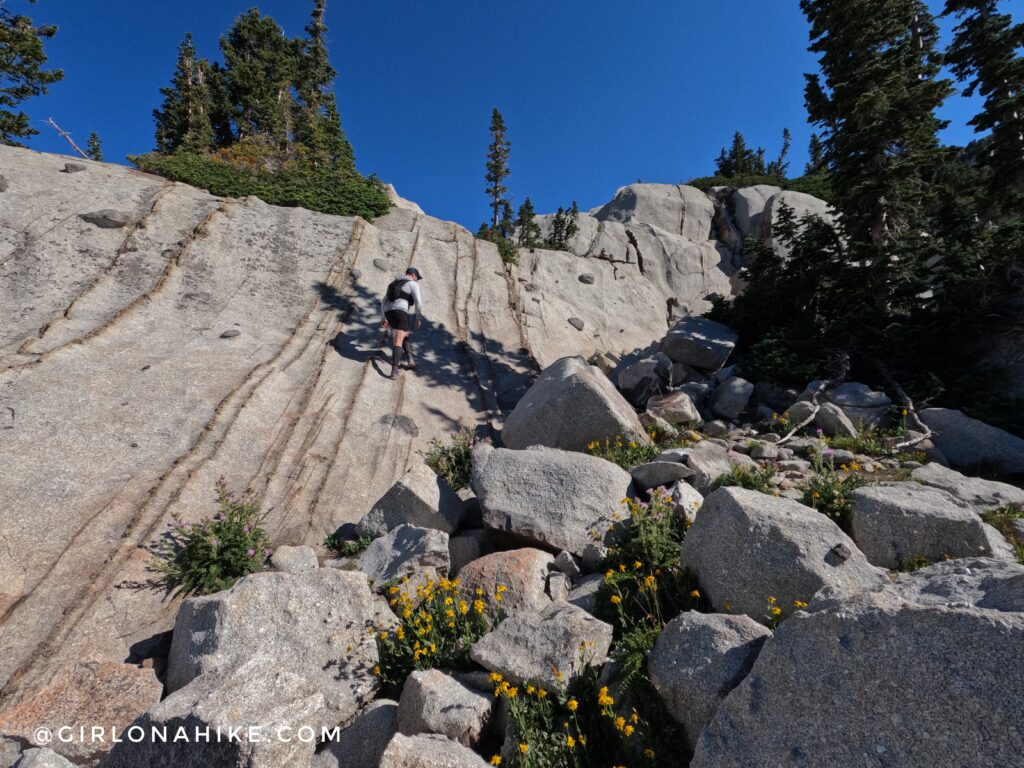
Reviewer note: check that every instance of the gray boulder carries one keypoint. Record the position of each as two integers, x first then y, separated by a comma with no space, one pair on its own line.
433,702
259,697
674,208
10,750
832,421
894,523
971,444
428,751
403,551
686,500
362,744
748,204
584,593
569,406
802,205
420,498
641,380
746,546
698,659
926,671
730,398
709,462
677,408
658,473
312,625
700,342
108,218
523,572
42,758
552,498
980,495
294,559
863,406
466,547
530,646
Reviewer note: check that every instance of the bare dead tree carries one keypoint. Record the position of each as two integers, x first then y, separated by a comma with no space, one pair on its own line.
842,370
922,430
67,137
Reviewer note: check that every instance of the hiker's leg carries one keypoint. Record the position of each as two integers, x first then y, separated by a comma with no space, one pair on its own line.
396,351
407,348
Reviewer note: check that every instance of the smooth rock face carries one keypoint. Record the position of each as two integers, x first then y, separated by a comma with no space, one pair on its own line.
527,646
878,679
85,694
362,744
658,473
584,593
553,498
258,695
403,551
730,398
802,205
677,408
313,625
433,702
674,208
700,342
969,443
981,495
42,758
420,498
746,546
569,406
697,659
294,559
428,752
748,204
895,523
524,572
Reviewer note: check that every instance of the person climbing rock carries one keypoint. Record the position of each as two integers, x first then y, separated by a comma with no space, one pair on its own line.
401,308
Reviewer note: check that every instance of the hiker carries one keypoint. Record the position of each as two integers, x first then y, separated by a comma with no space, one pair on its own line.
400,305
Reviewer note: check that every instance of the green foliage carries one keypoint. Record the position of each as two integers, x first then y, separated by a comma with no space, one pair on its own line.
453,459
911,564
210,555
526,225
343,547
183,120
438,624
323,190
497,167
22,75
816,162
564,228
93,148
774,357
828,491
817,184
749,478
1002,520
625,450
506,248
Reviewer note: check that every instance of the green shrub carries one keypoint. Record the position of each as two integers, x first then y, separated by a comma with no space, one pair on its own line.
290,184
625,450
747,477
817,184
210,555
828,491
1002,520
911,564
343,547
453,460
776,358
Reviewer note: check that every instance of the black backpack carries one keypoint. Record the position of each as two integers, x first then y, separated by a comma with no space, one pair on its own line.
395,289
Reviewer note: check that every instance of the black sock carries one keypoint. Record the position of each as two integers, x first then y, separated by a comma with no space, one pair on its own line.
396,357
407,348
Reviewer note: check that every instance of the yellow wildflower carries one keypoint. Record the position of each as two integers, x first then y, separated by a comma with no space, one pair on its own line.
572,705
776,611
616,599
376,670
649,753
523,747
570,742
695,593
496,760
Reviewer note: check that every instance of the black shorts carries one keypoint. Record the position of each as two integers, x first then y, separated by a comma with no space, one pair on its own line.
398,320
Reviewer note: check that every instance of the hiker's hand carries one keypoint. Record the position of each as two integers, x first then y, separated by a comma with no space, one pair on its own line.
384,324
418,323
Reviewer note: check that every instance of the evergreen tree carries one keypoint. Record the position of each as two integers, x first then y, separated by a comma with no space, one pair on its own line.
497,167
183,121
21,72
526,224
220,103
93,148
816,154
779,166
506,225
564,228
985,55
740,160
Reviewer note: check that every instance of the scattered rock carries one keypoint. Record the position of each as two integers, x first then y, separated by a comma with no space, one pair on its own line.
576,323
230,334
881,678
981,495
42,758
433,702
971,444
587,279
687,501
73,168
428,751
421,498
381,264
108,218
10,752
294,559
654,423
730,398
863,406
403,551
746,546
657,473
700,342
676,408
895,523
528,646
570,406
312,624
764,451
833,422
698,659
708,462
584,594
362,744
566,563
524,572
645,378
556,499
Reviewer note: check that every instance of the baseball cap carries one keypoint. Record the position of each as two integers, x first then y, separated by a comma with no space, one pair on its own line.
414,272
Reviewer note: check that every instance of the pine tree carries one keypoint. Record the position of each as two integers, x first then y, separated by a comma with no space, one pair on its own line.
93,148
779,166
985,55
183,121
497,167
816,154
740,160
21,72
506,225
526,224
220,103
564,227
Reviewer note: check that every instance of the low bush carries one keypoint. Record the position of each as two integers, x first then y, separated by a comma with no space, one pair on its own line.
817,184
1002,520
828,491
210,555
624,450
453,459
750,478
343,547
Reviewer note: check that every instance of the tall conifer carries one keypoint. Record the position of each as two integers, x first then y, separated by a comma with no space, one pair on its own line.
183,120
497,167
21,72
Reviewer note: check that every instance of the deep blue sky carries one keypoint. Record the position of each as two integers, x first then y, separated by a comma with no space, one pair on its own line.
596,93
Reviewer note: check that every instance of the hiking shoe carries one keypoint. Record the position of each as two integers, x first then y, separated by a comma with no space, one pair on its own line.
394,375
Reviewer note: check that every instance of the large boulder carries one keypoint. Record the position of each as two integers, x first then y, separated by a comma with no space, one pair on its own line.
428,751
654,474
700,342
312,625
926,671
746,547
523,572
547,648
404,551
863,406
709,461
571,405
362,744
420,498
748,204
677,408
730,398
555,499
433,702
644,378
674,208
288,559
697,659
981,495
802,205
893,524
279,714
971,444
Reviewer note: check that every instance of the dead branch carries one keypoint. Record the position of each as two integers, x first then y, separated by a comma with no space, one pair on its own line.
67,137
842,371
911,411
